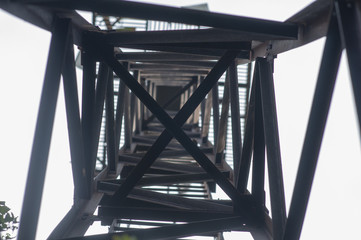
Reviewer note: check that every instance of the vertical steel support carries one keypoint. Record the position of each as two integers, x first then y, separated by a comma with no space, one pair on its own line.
119,113
314,133
132,111
88,104
198,109
270,124
110,128
146,111
349,17
101,88
44,127
206,118
182,100
245,164
235,117
187,94
141,105
249,69
127,120
215,103
150,90
203,104
137,117
132,106
81,188
154,95
223,123
258,168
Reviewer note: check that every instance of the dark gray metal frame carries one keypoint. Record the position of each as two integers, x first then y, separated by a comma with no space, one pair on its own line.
212,55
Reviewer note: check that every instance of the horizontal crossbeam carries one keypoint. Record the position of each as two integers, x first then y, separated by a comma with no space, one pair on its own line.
176,231
163,165
159,214
179,15
211,35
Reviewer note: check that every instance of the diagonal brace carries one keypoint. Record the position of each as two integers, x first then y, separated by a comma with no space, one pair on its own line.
173,127
180,118
43,132
315,129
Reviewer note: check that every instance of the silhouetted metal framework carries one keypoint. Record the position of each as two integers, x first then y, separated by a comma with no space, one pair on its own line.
164,173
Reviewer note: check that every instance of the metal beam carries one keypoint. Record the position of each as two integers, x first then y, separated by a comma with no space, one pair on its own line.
174,72
196,113
43,131
245,54
138,121
235,117
163,165
161,66
195,64
100,91
119,113
245,164
161,56
149,141
176,230
223,123
242,46
168,179
313,23
127,119
112,149
170,81
209,35
179,15
206,114
81,188
258,167
87,115
176,201
161,214
172,153
215,106
132,105
271,135
182,76
314,133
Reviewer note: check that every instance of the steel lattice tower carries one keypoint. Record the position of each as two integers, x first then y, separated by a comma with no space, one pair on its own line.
165,91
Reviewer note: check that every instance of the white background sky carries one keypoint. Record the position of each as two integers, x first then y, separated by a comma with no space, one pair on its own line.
334,209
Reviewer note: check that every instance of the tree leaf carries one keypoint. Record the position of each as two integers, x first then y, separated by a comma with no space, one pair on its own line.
8,218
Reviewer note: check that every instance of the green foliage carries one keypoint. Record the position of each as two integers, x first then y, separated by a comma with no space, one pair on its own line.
8,222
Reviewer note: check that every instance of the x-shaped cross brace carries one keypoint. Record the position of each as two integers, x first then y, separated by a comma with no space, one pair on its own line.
173,126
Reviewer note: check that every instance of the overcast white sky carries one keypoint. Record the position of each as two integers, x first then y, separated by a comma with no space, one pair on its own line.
334,209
